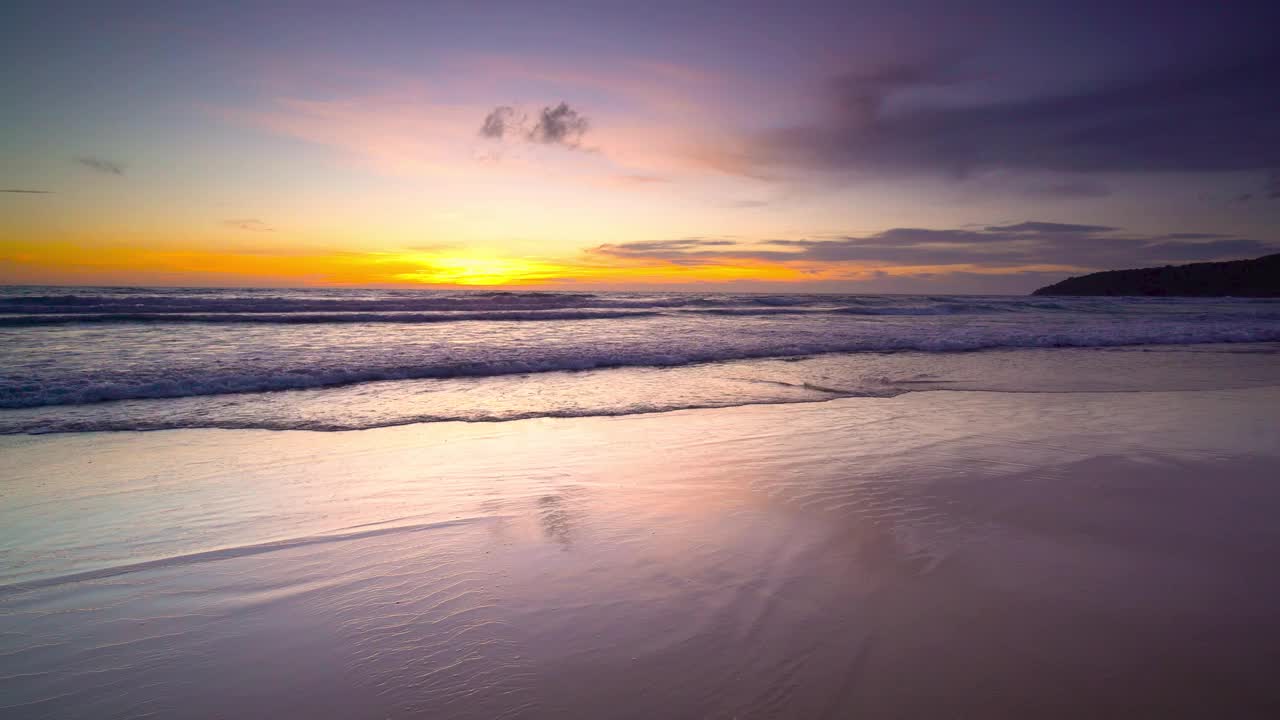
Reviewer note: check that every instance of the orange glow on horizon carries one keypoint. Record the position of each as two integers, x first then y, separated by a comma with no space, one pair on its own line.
73,263
69,263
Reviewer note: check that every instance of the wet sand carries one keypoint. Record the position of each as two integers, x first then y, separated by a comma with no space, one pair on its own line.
940,554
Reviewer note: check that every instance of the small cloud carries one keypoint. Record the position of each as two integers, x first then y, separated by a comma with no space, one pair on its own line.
499,122
748,204
248,225
1273,185
674,245
27,192
100,165
559,125
688,251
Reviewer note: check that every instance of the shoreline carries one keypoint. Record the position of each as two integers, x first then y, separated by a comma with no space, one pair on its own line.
988,554
629,413
618,392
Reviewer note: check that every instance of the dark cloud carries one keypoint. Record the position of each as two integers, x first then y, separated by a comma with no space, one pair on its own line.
28,192
499,122
860,95
99,165
688,251
681,244
1047,227
1193,117
996,246
1273,184
921,236
1232,248
559,125
248,225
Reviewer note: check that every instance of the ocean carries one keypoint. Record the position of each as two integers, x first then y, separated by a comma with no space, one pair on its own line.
94,359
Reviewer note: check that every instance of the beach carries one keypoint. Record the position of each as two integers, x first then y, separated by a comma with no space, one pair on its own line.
943,553
639,361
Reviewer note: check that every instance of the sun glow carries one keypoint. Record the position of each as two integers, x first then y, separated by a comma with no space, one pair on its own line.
483,269
479,270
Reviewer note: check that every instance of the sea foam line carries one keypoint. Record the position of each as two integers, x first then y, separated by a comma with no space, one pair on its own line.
232,552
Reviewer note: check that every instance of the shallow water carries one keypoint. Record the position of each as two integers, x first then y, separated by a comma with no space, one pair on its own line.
967,553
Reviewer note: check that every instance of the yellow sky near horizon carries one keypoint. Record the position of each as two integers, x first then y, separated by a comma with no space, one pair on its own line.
42,263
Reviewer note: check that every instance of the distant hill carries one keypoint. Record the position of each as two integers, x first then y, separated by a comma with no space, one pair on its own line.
1239,278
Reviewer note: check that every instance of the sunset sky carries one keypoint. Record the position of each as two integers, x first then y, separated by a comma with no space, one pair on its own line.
842,146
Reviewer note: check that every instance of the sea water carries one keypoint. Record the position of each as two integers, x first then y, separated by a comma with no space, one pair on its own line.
89,359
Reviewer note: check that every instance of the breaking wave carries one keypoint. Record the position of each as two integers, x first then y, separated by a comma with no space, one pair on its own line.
20,392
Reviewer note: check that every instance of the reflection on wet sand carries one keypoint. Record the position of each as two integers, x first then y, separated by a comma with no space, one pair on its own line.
557,523
943,554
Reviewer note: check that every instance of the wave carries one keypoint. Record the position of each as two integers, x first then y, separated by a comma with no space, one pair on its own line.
20,392
261,317
124,306
319,318
51,426
297,302
413,318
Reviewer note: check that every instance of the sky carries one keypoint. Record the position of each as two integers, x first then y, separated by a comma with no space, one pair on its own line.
812,146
